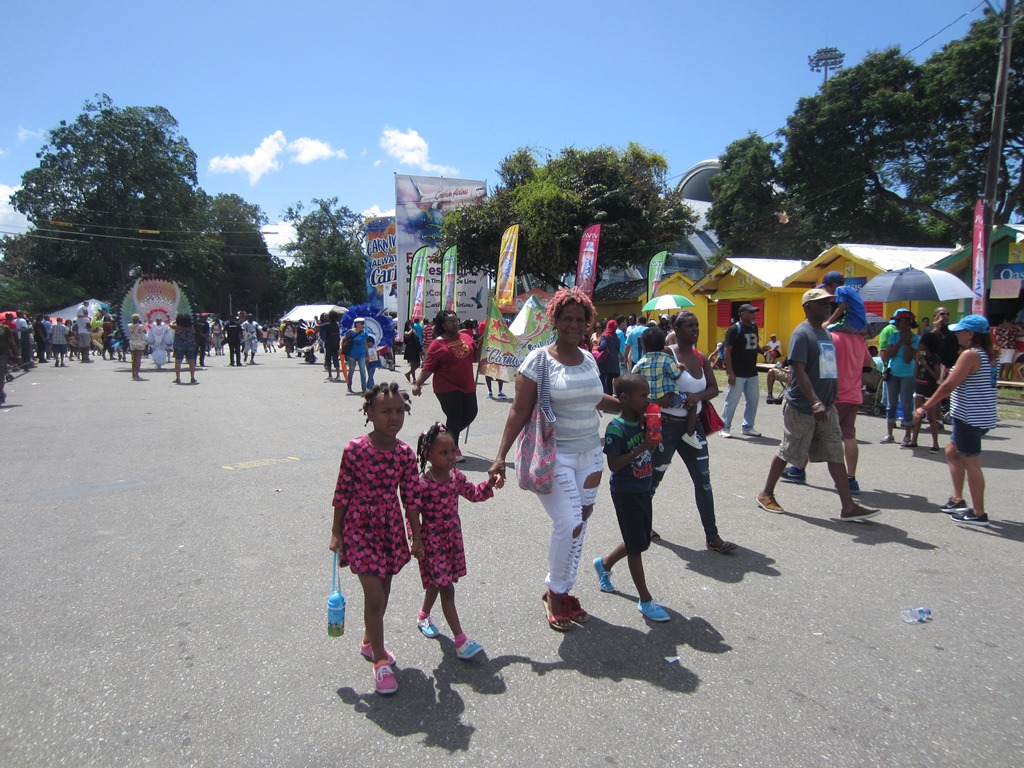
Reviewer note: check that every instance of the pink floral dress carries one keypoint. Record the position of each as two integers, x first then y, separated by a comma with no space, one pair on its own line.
444,555
373,532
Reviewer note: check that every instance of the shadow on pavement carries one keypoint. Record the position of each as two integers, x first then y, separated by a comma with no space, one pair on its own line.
730,568
866,531
1006,529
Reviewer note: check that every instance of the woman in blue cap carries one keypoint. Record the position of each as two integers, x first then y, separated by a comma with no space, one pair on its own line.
971,387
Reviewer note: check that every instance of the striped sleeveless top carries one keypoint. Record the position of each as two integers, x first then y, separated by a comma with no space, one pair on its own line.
974,401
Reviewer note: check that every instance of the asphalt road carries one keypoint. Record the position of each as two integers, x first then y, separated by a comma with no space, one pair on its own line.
165,571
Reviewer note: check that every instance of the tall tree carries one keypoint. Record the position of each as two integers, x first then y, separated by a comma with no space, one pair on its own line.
625,191
247,276
329,263
114,195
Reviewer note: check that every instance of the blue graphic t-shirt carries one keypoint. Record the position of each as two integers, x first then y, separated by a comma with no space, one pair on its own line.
622,437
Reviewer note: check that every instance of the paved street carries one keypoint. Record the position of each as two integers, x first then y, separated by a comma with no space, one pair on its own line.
165,570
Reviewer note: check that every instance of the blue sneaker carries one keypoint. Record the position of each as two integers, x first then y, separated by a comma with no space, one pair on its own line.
428,628
854,486
653,611
468,649
794,475
604,577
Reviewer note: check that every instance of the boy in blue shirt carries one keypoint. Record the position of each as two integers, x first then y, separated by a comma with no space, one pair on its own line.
850,315
629,451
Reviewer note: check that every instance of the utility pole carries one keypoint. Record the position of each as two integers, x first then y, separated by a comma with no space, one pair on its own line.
825,59
995,148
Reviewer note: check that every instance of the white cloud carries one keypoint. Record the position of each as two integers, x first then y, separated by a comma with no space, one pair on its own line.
374,211
278,235
11,221
2,151
24,134
305,151
411,148
261,161
264,158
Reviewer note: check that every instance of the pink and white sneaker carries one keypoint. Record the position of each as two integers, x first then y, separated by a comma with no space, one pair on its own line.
384,680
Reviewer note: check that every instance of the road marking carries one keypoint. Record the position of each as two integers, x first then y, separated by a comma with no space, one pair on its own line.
259,463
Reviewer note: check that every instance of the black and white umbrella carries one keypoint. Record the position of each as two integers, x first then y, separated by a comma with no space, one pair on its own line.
910,284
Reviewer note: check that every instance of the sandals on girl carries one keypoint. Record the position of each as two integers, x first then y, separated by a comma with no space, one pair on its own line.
560,622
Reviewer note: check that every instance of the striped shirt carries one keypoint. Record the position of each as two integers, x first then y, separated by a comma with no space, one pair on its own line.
974,400
575,394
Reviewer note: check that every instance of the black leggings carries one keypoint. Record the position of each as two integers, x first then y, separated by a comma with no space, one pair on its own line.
459,410
331,356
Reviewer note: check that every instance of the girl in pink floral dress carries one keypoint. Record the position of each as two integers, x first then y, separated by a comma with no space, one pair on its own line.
440,549
368,532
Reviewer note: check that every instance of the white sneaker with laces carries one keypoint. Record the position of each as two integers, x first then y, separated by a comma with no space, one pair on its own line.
750,432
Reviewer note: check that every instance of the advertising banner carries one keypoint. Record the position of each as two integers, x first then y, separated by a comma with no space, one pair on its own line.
978,259
418,282
450,280
505,285
505,347
381,272
655,271
586,267
420,205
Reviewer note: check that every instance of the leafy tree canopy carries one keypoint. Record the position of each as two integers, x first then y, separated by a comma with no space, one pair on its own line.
624,191
329,262
888,151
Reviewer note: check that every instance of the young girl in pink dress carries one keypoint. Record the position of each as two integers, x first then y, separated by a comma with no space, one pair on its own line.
438,544
368,532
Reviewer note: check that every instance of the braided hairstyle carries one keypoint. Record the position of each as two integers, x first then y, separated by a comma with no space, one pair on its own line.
388,390
426,442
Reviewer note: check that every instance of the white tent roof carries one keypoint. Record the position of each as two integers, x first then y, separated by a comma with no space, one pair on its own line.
70,313
771,272
310,311
888,257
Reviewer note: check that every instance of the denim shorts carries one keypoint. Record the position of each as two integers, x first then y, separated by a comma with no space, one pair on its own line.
967,438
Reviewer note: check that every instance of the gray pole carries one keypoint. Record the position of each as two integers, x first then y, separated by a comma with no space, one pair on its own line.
995,149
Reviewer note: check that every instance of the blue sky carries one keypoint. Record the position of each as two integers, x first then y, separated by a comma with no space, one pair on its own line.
284,102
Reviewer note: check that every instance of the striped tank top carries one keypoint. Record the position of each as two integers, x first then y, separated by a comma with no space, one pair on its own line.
974,400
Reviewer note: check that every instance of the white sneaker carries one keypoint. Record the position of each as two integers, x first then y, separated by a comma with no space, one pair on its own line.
726,434
691,440
750,432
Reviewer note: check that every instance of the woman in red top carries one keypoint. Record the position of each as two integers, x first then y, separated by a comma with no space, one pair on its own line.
451,358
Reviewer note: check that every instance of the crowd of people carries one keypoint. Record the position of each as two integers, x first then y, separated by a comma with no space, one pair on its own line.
566,385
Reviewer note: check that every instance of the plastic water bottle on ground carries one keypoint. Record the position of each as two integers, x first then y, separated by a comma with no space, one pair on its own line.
916,615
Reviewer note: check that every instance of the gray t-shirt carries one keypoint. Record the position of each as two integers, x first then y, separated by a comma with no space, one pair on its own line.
814,348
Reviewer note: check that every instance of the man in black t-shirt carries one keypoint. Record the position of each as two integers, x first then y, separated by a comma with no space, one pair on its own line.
741,349
233,336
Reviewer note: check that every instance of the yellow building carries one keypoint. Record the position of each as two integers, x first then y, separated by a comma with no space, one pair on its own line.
858,263
760,282
629,296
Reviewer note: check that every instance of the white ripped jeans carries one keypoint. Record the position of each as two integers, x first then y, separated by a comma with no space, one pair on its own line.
564,506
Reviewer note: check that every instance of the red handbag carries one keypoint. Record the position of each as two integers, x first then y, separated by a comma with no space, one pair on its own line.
709,418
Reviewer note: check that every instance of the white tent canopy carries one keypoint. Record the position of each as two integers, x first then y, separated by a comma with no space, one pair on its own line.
70,313
311,311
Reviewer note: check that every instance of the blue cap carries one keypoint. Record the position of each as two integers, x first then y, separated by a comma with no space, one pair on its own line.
975,323
833,278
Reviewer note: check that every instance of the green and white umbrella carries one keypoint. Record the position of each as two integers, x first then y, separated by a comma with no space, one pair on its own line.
668,301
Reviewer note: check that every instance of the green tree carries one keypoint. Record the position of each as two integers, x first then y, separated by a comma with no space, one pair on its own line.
750,213
247,276
624,191
114,195
329,263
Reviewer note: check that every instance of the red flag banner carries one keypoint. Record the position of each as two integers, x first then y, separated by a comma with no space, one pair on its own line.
586,267
978,259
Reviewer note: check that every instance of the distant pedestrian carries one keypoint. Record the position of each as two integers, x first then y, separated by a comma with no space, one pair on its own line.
742,347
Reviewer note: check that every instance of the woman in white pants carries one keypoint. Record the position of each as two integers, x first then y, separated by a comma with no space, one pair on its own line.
576,397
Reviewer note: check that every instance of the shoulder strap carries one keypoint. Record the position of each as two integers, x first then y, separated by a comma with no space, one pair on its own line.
544,388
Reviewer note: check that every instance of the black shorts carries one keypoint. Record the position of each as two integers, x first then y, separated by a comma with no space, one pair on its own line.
634,512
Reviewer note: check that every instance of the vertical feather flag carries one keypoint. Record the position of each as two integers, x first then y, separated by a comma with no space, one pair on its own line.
450,279
655,271
505,287
418,282
586,267
978,259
